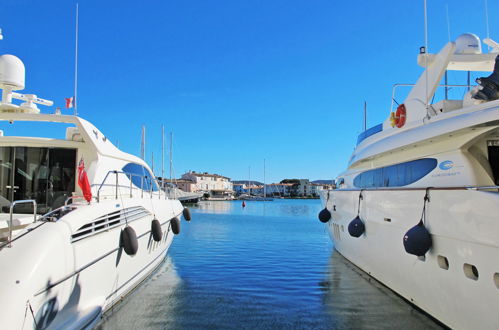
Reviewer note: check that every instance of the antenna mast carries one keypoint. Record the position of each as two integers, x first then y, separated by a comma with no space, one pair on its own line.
487,21
76,66
448,34
426,53
365,115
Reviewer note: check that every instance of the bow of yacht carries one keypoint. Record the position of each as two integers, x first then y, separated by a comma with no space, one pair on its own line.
417,206
81,224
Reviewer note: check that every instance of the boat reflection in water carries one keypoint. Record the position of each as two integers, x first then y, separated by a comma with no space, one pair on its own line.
355,300
155,302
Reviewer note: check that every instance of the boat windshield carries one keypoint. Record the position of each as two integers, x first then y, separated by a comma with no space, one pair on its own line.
46,175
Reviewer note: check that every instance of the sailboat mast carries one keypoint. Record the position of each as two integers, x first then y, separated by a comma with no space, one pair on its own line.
264,187
143,143
249,180
171,155
163,155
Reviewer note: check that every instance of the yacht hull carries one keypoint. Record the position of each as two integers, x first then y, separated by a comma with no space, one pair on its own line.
458,274
71,282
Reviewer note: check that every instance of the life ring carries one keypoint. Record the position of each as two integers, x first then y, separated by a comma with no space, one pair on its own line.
157,232
400,116
129,241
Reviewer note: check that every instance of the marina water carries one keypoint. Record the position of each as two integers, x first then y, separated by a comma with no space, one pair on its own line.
269,265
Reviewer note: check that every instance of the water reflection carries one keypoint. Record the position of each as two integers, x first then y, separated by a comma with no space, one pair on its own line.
353,299
219,207
306,208
155,303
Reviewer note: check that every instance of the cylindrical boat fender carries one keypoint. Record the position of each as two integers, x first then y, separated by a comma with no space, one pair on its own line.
129,241
324,215
356,227
175,224
417,240
187,214
156,231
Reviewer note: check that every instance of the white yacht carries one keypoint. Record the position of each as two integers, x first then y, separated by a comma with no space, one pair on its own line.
417,208
82,222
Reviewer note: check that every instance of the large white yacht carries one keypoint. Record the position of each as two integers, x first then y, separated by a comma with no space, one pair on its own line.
417,208
82,222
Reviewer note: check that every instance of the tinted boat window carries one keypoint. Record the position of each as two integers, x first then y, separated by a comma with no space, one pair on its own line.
395,175
46,175
140,176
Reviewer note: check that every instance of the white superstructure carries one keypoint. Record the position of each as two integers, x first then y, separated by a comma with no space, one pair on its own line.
65,261
436,164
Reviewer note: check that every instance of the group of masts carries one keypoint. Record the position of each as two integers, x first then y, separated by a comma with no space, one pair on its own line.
143,152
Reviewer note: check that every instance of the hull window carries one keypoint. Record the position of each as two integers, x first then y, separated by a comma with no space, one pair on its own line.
396,175
46,175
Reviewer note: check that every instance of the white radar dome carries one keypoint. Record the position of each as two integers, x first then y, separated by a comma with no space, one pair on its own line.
11,72
468,43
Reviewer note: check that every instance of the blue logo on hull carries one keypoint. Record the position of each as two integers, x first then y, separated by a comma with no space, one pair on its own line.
446,165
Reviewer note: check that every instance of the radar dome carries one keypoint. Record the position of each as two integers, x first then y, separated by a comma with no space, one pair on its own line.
468,43
11,72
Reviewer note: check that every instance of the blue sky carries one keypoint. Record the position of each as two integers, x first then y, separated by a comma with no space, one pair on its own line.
236,82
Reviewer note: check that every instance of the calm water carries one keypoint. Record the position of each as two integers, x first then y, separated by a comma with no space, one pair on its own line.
270,265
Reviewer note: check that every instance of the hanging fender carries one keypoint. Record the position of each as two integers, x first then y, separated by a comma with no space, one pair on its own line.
187,214
175,224
128,241
324,215
417,240
156,231
356,227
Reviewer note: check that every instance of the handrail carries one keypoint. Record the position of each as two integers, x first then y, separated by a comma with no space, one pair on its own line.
394,87
129,176
477,188
14,203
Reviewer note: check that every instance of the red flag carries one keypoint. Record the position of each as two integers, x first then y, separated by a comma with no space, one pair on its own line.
69,102
83,181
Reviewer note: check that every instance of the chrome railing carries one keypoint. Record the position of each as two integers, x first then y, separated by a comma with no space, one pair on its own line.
395,86
116,184
14,203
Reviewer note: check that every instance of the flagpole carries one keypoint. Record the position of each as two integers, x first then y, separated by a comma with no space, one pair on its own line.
76,66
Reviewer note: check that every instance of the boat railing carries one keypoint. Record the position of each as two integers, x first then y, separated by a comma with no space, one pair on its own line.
116,186
11,219
395,86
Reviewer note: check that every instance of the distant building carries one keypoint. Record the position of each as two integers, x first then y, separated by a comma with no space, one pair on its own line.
217,186
316,188
278,189
238,188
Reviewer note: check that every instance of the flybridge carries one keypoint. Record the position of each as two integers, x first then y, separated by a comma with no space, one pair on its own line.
12,74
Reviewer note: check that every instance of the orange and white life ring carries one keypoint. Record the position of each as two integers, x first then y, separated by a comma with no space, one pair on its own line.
398,119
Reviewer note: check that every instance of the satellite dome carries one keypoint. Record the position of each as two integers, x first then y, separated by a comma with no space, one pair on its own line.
11,72
468,43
